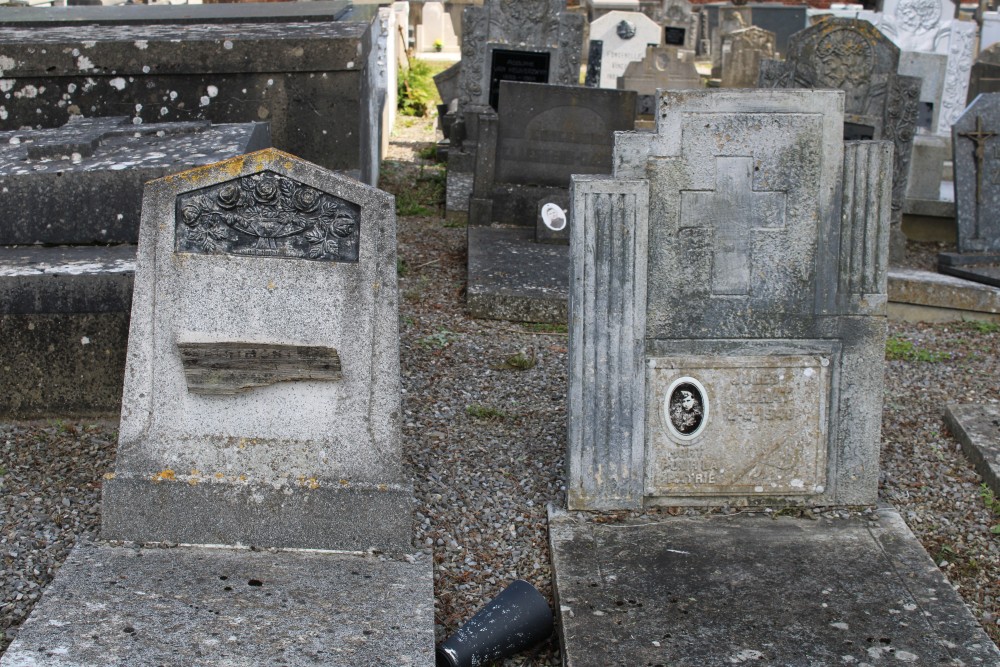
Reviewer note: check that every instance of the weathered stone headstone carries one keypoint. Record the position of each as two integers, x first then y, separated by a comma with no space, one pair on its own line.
517,40
783,20
679,21
618,39
598,8
312,81
435,33
261,408
855,57
71,196
976,149
985,75
742,51
664,67
728,19
727,332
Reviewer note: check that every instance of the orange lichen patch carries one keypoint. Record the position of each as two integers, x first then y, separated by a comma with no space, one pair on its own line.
234,167
383,487
109,475
219,475
344,482
165,475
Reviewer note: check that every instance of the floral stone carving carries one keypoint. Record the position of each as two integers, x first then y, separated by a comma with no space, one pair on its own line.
267,215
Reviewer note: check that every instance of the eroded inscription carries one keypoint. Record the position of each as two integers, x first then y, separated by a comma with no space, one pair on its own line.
223,368
737,426
267,215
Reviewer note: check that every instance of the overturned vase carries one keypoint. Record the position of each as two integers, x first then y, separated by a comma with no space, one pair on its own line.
513,621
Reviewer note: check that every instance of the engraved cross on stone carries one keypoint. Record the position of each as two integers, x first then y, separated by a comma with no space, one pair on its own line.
731,213
979,138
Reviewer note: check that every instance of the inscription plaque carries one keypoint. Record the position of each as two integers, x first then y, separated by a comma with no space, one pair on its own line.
226,368
673,36
526,66
744,425
267,215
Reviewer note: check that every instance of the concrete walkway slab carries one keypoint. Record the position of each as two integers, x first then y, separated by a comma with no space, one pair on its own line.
193,606
750,589
977,427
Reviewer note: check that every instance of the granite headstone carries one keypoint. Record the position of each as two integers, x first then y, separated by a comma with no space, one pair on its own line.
985,75
742,51
618,39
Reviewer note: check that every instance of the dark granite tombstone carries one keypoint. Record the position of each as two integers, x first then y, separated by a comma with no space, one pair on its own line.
679,21
976,150
855,57
313,81
985,76
65,294
526,32
541,135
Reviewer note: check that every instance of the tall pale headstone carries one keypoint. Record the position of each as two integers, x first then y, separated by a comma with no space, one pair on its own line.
618,39
723,290
742,51
853,56
261,400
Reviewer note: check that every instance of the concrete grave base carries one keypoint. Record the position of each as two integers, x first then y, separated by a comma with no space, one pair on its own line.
511,277
217,606
977,427
925,296
719,590
979,267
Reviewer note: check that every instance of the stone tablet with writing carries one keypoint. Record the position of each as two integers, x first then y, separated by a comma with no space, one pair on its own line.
727,307
261,400
976,148
742,51
623,38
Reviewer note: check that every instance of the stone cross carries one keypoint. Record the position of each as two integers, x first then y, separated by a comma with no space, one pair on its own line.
732,212
979,137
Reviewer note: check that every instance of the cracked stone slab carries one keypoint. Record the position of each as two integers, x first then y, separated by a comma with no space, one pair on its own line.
977,427
114,606
729,589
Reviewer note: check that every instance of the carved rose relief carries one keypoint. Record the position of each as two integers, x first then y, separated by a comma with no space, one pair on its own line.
844,60
268,215
918,16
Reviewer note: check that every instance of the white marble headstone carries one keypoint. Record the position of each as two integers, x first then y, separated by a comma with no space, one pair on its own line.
624,37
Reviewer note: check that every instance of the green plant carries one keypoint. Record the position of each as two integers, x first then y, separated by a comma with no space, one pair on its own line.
984,327
3,471
485,412
429,153
992,504
401,267
423,195
541,327
900,349
441,339
416,91
438,45
520,361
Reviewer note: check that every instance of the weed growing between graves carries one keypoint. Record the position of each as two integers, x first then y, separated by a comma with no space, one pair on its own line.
983,327
418,191
416,91
900,349
992,504
521,361
401,267
485,412
441,339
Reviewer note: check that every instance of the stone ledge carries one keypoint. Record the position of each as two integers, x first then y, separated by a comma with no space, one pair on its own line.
197,606
939,297
977,428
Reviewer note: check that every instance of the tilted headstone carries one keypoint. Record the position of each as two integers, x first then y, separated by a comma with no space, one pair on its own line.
314,82
742,51
82,183
664,67
679,21
541,135
985,75
727,307
855,57
618,39
261,403
976,147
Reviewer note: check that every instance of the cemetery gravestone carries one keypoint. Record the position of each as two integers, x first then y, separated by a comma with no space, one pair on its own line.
664,67
72,200
717,347
729,19
679,21
985,76
314,87
618,39
436,32
855,57
261,408
976,151
742,51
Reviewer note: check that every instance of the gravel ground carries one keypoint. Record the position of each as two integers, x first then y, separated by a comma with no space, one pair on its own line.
484,427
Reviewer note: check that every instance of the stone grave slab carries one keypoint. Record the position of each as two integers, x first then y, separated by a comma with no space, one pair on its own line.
977,427
664,67
853,56
72,194
183,606
618,39
985,74
742,51
536,41
755,589
260,431
311,80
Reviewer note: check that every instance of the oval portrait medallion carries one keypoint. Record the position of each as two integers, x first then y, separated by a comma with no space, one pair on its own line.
685,409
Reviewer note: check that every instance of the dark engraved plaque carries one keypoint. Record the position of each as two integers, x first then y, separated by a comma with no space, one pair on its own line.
527,66
221,369
673,36
267,215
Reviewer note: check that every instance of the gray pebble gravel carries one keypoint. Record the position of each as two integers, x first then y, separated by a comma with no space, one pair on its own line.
484,435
